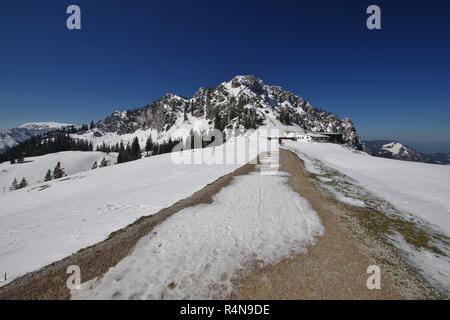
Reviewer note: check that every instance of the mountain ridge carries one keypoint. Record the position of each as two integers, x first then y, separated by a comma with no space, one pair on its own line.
11,137
242,103
393,149
245,102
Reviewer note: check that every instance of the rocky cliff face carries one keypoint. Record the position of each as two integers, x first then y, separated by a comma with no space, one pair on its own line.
244,102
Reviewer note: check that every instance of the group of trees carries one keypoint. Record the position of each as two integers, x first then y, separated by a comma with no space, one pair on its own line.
103,163
194,140
107,148
51,143
15,185
164,147
118,147
58,172
130,152
285,117
219,123
85,127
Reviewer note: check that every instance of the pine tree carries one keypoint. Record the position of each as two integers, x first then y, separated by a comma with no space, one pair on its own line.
95,165
14,185
103,163
58,172
48,176
148,145
23,183
218,123
135,149
92,125
120,157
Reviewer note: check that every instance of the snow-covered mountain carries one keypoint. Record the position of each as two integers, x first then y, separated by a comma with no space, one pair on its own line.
11,137
244,102
400,151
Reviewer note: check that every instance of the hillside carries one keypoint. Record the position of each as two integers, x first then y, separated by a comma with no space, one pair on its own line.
11,137
407,202
33,169
65,215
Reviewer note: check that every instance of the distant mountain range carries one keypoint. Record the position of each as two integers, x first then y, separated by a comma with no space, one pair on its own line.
396,150
11,137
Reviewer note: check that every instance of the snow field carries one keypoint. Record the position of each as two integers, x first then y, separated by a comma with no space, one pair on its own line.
46,222
417,190
198,252
35,168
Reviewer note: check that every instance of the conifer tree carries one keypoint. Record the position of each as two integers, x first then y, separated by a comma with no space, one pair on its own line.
14,185
135,149
23,183
103,163
58,172
148,145
48,176
95,165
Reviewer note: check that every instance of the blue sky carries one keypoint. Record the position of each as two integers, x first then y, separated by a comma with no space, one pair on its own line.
394,83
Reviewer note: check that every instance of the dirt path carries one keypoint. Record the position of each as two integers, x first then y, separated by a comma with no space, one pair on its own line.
335,267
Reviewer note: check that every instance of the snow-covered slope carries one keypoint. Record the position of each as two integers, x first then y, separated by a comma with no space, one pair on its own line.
417,188
242,103
418,192
35,168
46,222
11,137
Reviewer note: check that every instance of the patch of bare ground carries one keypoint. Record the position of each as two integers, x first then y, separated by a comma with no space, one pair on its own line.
336,266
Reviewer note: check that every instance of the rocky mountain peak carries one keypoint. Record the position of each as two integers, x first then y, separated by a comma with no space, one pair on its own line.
244,102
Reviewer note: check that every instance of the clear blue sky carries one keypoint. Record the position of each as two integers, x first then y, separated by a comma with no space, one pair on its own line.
394,83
